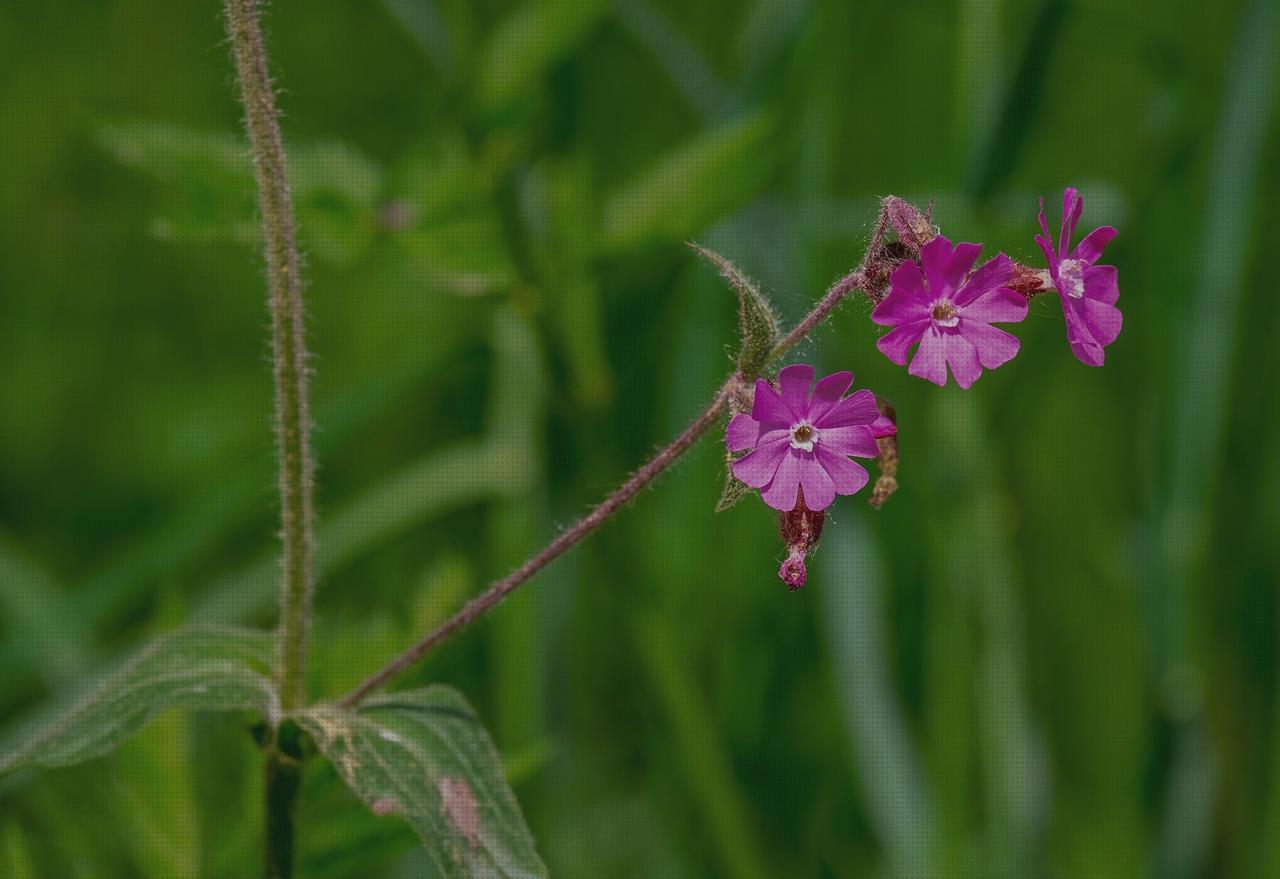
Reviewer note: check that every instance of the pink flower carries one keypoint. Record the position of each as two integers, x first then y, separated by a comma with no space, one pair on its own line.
800,442
949,312
1088,292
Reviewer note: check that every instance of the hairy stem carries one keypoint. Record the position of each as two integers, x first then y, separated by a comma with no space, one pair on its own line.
288,347
859,279
584,526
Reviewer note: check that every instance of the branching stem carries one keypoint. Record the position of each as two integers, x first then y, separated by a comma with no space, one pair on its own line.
487,600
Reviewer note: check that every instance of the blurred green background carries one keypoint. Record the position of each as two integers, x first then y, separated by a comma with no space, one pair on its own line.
1053,653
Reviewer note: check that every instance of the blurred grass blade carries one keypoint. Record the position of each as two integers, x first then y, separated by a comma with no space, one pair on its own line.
422,22
693,185
202,669
976,565
898,801
423,756
562,218
528,42
686,67
443,480
704,753
40,623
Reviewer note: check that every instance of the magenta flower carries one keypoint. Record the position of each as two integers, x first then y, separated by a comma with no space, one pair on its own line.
1088,292
949,312
803,443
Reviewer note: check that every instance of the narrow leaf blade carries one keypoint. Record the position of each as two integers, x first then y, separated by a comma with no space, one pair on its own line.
199,669
422,755
757,323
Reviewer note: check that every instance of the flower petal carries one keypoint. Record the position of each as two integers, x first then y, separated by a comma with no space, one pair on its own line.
899,340
1101,284
1000,305
852,439
757,469
819,489
995,272
1072,207
780,493
1045,241
1091,246
827,393
962,357
995,347
934,257
743,432
794,382
860,408
930,362
883,426
848,476
959,264
1091,324
768,407
907,299
1102,319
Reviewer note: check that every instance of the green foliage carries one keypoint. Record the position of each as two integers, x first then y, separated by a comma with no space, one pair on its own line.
691,186
199,669
1052,654
422,755
207,182
757,324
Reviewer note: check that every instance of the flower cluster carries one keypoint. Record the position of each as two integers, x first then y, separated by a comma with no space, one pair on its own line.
799,438
946,308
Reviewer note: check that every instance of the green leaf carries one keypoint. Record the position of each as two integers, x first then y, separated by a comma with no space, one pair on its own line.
422,755
203,669
529,41
209,190
693,185
757,324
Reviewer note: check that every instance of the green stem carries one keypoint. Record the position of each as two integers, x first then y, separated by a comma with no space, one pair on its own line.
283,775
288,346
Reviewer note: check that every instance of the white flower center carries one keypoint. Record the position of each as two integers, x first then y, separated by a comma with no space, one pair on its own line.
945,313
1071,277
803,436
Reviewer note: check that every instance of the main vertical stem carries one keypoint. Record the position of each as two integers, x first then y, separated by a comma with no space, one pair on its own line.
288,344
292,416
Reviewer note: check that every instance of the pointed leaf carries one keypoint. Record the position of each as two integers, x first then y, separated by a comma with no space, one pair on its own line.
422,755
205,669
734,489
757,323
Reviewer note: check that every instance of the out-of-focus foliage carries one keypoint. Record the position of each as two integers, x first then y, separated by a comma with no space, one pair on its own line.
1053,652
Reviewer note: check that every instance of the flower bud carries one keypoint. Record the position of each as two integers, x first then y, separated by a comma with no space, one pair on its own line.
913,228
801,529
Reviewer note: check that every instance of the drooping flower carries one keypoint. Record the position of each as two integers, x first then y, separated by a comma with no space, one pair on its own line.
949,312
801,528
1088,292
802,442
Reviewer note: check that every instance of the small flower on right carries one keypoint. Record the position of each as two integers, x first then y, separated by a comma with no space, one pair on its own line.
1088,292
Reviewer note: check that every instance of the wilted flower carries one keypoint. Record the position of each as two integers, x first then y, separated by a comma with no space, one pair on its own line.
1088,292
802,443
949,312
801,529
